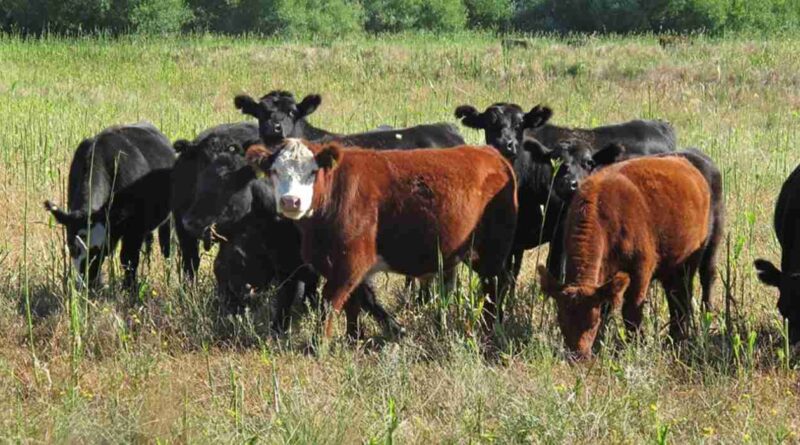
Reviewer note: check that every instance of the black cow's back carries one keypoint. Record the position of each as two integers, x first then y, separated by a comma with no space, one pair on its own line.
439,135
115,160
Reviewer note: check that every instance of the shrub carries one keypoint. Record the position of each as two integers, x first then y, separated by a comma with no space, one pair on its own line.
691,15
320,18
404,15
158,16
442,15
601,15
391,15
489,14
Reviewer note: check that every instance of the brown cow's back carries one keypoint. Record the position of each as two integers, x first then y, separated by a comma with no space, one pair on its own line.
650,207
425,202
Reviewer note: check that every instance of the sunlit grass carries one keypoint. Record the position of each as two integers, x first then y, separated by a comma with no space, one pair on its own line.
172,368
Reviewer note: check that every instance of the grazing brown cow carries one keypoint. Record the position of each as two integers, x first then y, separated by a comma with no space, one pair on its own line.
627,224
363,211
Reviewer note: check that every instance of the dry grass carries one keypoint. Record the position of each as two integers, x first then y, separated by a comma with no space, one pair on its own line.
170,369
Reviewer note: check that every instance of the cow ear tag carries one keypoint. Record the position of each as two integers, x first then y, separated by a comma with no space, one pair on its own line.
260,173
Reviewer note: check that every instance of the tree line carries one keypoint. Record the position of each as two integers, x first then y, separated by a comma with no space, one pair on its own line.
334,18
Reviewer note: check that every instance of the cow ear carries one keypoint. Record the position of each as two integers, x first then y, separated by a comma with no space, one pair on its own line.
329,157
537,117
536,148
608,155
182,146
308,105
550,286
61,216
471,117
247,105
612,290
768,273
260,160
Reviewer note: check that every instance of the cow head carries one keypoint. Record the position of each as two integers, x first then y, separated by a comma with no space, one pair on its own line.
579,308
223,194
278,113
575,159
503,124
788,285
87,240
294,170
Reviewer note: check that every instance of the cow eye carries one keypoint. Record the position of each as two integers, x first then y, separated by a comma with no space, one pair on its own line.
590,163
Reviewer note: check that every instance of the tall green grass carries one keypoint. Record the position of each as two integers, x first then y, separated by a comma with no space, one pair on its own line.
170,366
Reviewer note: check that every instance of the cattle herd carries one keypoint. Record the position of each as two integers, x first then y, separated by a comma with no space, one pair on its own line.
289,204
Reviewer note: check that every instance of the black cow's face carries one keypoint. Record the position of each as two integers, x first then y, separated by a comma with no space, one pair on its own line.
503,124
87,241
278,113
223,194
573,160
788,284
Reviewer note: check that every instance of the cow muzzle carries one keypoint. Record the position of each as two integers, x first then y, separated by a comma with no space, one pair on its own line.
291,207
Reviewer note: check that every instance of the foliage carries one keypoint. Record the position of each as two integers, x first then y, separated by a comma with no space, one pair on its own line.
404,15
174,368
333,18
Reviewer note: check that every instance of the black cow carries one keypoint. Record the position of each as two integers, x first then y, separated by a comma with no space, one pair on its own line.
231,199
193,158
541,213
279,117
787,278
116,191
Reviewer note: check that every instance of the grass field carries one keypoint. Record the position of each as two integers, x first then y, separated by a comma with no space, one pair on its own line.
168,368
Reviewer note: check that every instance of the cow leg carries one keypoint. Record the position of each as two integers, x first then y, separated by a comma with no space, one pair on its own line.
678,287
708,265
556,260
164,235
633,301
369,302
352,308
291,291
190,251
129,257
341,282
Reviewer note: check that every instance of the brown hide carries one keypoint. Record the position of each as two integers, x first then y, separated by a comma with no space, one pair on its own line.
401,210
629,223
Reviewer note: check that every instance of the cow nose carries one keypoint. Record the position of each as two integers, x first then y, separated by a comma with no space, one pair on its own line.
573,185
289,202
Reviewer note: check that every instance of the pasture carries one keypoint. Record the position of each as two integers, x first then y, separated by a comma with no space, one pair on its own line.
164,366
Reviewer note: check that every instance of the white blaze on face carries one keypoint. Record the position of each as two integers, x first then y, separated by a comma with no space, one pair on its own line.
83,244
293,173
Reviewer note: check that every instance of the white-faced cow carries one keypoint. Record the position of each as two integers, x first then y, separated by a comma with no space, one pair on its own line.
259,246
118,189
193,158
280,116
787,278
505,127
363,211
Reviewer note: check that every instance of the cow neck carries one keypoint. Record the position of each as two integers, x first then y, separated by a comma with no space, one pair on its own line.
89,181
305,130
532,176
586,246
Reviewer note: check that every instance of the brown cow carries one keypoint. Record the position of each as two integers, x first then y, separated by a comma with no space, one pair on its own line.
363,211
627,224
